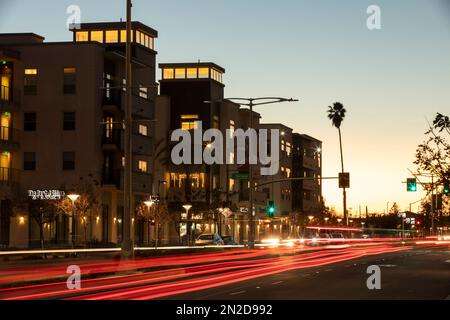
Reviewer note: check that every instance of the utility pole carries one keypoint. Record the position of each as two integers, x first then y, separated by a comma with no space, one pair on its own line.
127,245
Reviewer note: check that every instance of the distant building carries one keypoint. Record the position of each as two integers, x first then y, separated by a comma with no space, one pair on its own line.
307,163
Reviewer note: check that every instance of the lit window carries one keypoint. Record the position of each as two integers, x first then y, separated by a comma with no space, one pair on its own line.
112,36
82,36
189,116
97,36
31,71
143,92
203,73
180,73
168,74
231,185
191,73
288,172
215,122
142,166
123,35
143,130
69,81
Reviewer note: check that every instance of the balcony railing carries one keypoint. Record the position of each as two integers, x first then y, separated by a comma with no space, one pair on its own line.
112,136
141,106
9,96
9,176
9,135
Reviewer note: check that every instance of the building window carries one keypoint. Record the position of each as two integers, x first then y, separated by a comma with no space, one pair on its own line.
30,82
81,36
112,36
70,79
123,36
216,122
180,73
142,166
203,73
189,121
68,160
143,130
143,92
69,121
288,172
97,36
231,185
29,161
168,74
29,121
191,73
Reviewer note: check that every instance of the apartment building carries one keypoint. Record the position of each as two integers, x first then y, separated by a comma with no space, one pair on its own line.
307,163
62,106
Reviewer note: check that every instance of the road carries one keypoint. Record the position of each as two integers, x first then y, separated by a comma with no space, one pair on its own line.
416,274
408,271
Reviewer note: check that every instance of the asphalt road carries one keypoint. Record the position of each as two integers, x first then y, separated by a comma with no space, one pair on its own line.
423,273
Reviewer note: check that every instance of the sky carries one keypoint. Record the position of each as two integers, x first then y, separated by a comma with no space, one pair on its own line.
390,80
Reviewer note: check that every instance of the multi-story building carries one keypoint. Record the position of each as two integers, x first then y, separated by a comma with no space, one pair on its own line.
66,99
307,163
279,192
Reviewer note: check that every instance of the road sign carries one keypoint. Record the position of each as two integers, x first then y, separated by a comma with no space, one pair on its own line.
344,180
241,176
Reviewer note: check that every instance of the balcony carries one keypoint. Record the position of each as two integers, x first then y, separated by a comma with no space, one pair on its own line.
114,100
310,163
9,99
112,139
9,138
142,181
9,176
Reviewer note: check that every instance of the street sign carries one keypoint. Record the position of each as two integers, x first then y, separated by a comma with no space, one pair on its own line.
241,176
344,180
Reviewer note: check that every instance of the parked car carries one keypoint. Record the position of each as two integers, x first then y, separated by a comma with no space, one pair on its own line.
228,240
209,239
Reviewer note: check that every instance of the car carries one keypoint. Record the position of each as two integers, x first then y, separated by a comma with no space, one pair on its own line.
209,239
228,240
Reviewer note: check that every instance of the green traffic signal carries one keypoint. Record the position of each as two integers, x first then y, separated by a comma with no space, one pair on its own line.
446,187
411,185
271,210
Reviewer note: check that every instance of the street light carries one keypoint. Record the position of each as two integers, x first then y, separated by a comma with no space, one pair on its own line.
326,219
188,207
73,197
149,203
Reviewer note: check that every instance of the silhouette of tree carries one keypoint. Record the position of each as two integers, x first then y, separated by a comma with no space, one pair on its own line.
336,114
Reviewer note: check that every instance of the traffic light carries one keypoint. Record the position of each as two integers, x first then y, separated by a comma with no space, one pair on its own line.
411,185
446,187
271,210
344,180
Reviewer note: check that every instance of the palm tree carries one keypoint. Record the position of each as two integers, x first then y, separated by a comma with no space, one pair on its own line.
336,114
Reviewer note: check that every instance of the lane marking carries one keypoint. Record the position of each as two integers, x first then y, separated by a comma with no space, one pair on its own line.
236,293
278,282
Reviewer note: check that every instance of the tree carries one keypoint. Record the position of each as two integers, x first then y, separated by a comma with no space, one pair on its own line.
395,209
336,114
433,155
85,207
42,212
157,214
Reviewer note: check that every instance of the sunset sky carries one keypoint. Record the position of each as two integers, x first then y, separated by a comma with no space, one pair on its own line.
391,80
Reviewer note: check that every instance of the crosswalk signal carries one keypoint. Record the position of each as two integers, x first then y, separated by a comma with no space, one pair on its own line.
411,185
344,180
271,210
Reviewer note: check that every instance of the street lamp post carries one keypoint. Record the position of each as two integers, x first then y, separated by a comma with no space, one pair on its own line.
252,102
187,207
149,204
73,197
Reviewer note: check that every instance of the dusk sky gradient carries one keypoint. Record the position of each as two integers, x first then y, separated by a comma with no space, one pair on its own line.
391,80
